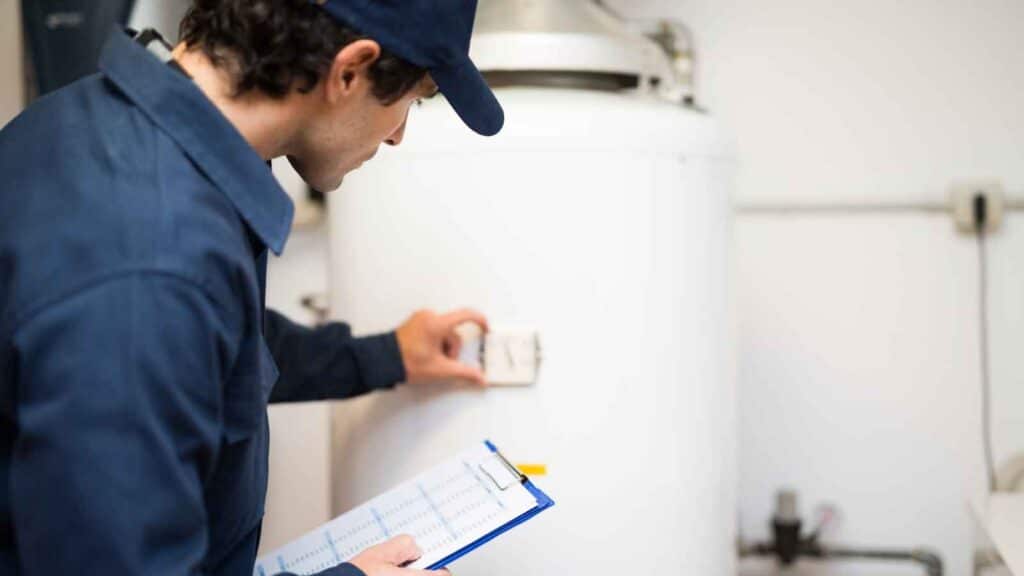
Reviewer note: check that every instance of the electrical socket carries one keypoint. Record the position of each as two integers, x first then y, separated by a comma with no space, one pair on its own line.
511,357
508,356
962,198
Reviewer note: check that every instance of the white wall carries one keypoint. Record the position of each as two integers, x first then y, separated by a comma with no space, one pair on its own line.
1006,290
298,495
859,100
164,15
859,376
859,369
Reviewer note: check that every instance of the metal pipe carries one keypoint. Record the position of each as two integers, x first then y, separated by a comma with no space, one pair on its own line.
1014,203
929,560
786,208
668,34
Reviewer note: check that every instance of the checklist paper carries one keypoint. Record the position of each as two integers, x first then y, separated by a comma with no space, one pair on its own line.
446,509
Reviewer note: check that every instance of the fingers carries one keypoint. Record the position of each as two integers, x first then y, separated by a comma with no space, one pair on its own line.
399,550
452,319
452,346
431,346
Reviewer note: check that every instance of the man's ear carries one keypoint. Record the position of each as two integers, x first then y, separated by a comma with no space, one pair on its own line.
350,67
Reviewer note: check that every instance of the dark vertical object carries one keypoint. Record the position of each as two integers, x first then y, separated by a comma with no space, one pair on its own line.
64,37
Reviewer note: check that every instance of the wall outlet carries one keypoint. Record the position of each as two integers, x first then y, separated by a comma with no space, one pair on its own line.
964,198
508,357
511,357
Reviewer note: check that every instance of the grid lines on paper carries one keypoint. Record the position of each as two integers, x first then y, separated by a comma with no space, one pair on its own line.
436,514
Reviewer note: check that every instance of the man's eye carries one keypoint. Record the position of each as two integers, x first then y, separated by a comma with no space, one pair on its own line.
419,101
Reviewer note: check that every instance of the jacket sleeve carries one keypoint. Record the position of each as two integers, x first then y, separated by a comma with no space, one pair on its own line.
327,363
118,409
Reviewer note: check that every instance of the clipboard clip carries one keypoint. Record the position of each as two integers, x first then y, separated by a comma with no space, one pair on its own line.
515,471
500,471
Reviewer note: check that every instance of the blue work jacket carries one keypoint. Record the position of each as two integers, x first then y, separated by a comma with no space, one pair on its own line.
136,356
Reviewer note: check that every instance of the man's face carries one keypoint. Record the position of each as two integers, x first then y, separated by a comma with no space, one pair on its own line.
347,131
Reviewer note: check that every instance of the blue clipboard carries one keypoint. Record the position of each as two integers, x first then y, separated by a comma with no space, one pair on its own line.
543,503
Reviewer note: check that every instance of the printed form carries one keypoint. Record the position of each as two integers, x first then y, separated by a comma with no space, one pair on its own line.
445,509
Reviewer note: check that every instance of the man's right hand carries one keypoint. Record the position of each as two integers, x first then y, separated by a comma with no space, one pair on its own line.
386,558
430,345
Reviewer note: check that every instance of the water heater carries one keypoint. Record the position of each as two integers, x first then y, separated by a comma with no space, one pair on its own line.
598,221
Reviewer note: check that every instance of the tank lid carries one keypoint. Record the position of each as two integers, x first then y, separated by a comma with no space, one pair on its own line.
564,36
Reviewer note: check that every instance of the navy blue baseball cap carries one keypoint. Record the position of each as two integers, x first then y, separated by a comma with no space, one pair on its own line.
435,35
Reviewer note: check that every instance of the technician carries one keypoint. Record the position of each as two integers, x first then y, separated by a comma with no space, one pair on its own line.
136,356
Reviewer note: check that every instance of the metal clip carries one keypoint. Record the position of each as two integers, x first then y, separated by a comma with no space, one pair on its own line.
515,471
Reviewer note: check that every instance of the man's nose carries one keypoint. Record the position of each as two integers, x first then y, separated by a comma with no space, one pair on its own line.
396,137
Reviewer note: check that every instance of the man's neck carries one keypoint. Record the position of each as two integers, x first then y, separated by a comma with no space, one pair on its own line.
268,125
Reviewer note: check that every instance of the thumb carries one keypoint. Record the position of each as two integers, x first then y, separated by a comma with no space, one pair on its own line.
399,550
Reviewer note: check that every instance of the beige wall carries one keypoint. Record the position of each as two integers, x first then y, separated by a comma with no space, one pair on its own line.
11,75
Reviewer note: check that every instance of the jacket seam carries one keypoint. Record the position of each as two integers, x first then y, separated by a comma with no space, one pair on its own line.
36,308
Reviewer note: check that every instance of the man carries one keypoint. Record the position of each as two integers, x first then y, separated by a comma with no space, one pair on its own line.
136,359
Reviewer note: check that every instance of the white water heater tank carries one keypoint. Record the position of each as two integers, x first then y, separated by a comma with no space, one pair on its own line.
598,220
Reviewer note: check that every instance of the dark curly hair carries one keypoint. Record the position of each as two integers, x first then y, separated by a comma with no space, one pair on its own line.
276,46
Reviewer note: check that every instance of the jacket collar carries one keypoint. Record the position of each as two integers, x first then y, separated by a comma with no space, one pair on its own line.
183,112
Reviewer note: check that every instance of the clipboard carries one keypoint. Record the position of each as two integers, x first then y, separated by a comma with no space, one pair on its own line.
451,510
543,503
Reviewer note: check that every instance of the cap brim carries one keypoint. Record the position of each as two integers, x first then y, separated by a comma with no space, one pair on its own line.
468,93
